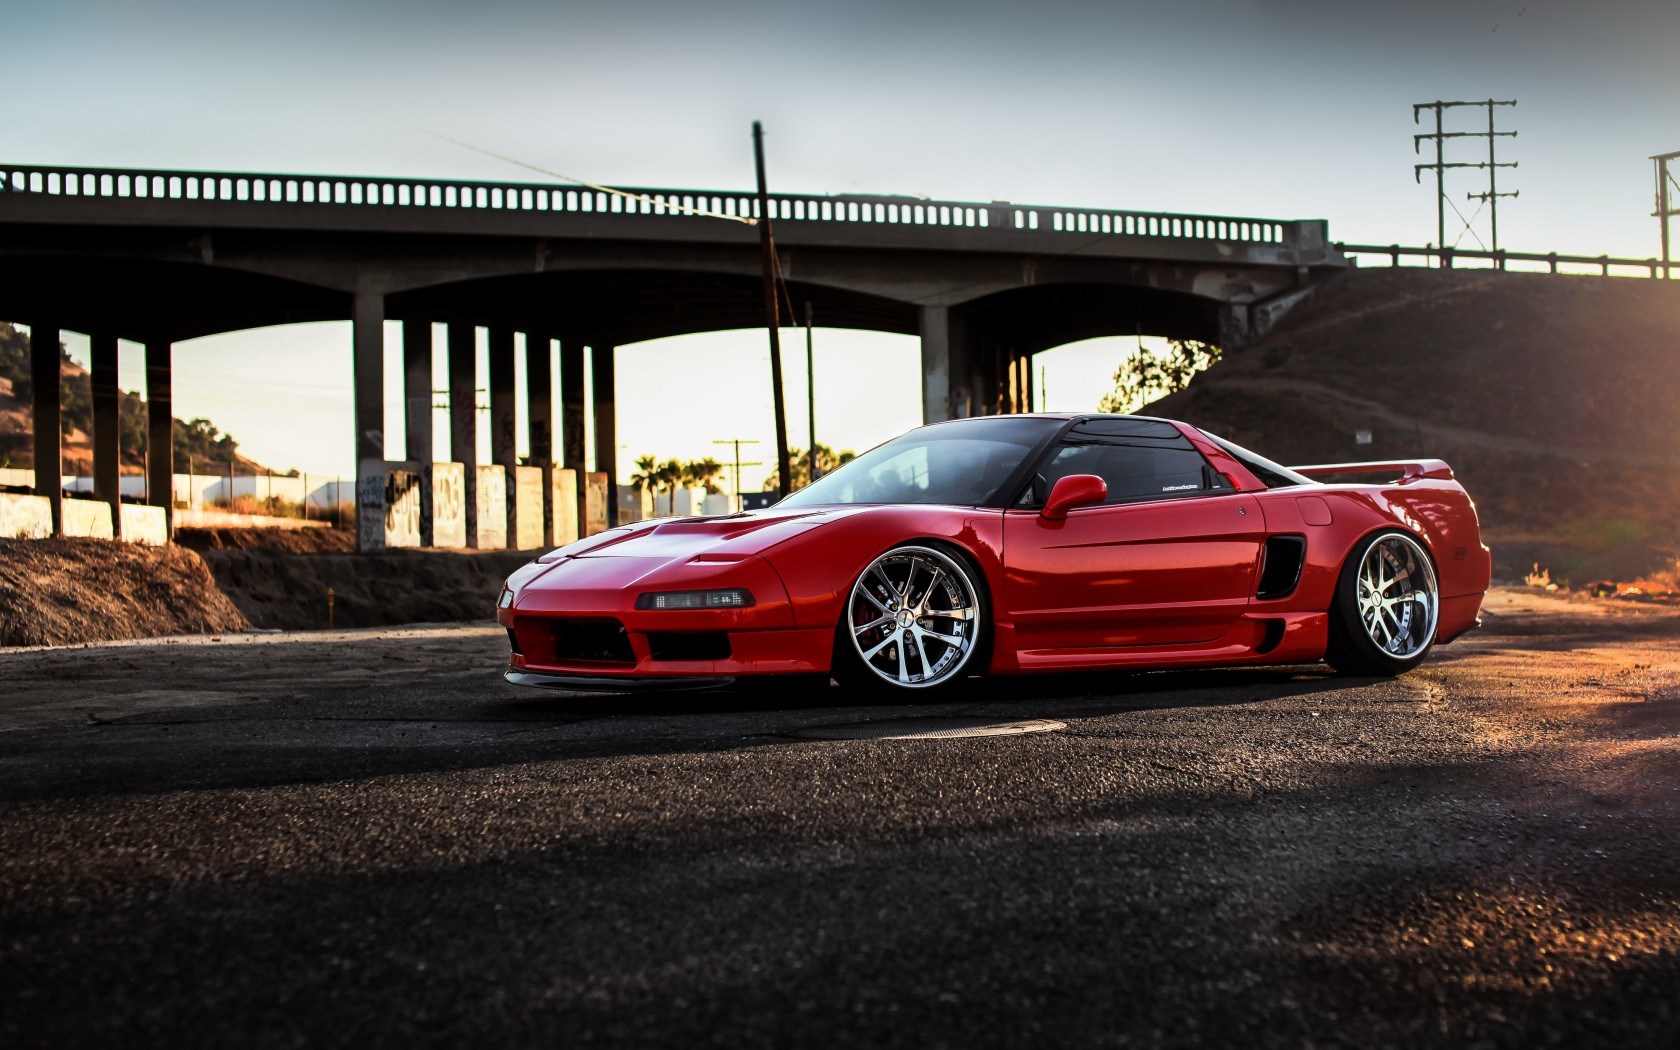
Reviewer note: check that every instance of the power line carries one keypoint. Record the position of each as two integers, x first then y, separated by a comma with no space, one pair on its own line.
586,184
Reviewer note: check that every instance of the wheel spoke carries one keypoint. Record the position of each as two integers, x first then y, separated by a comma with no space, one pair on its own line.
921,654
903,671
872,624
871,654
881,574
938,574
952,614
953,640
878,603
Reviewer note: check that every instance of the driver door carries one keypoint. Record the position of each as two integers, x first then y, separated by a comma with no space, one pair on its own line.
1170,560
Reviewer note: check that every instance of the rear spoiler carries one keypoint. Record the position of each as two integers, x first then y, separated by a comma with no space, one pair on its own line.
1408,469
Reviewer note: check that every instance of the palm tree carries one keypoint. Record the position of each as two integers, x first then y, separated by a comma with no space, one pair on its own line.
671,475
705,473
644,476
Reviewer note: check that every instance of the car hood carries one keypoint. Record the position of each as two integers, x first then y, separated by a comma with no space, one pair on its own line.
726,538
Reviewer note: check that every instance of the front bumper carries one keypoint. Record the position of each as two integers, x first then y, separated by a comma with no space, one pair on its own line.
579,623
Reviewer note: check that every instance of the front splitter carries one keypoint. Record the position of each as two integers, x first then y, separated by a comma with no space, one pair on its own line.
599,683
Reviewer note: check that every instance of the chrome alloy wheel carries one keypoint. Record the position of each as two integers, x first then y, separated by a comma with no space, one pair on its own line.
1398,597
913,617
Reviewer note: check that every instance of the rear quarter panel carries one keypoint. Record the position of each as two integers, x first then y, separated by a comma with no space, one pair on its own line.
1335,517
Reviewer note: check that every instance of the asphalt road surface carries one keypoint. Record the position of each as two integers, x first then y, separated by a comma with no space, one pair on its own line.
365,838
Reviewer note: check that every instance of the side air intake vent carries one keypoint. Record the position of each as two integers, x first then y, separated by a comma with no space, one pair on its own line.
1281,570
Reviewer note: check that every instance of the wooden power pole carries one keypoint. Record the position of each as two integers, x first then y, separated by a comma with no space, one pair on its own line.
767,247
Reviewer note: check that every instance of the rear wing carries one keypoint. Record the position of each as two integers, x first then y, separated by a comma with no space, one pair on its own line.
1407,469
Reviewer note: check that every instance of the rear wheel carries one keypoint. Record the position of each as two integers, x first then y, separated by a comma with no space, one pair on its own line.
1386,609
914,620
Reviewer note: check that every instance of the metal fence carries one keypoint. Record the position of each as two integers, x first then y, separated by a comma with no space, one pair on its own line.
1607,266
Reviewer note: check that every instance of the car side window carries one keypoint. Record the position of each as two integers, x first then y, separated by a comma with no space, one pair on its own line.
1134,472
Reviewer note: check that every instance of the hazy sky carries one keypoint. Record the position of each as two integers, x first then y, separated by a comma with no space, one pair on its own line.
1291,109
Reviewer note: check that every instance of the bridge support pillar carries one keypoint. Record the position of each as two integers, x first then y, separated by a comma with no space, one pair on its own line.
417,416
572,401
160,430
1233,326
504,440
463,417
603,363
46,379
107,425
367,326
539,415
936,363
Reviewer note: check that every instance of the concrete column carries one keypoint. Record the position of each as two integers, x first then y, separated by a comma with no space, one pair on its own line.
107,425
1030,371
47,378
367,327
572,400
504,444
463,414
936,363
417,389
160,430
539,396
367,322
539,415
606,424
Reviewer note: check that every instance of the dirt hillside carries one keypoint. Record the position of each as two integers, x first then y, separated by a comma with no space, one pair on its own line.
275,588
58,592
1556,399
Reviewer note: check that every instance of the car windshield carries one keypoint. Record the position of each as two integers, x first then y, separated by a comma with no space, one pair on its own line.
963,463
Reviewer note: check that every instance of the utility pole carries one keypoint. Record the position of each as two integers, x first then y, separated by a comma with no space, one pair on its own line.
1439,167
767,248
736,477
1665,203
811,396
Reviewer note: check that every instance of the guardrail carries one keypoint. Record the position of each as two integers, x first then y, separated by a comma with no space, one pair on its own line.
1501,258
349,192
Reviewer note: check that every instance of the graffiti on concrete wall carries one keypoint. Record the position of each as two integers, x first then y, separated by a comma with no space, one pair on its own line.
444,493
595,503
490,490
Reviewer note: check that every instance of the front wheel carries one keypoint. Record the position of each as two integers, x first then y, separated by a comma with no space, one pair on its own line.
914,619
1386,609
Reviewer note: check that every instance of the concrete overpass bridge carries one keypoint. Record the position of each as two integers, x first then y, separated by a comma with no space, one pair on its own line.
161,256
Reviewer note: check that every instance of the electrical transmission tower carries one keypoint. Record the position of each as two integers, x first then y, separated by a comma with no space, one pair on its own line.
1665,201
1490,199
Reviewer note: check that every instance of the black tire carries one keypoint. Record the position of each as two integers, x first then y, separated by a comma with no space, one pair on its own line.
854,675
1351,650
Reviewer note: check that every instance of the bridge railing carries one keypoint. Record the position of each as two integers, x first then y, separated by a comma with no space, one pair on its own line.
1501,259
361,192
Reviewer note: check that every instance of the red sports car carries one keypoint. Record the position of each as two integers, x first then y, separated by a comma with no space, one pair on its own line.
1011,544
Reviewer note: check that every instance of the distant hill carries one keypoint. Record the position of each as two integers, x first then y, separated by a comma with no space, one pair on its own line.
1555,398
197,441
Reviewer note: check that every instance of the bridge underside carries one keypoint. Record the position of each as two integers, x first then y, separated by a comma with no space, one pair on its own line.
981,311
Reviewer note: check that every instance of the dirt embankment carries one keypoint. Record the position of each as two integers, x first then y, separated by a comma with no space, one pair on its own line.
290,541
1555,398
64,591
289,591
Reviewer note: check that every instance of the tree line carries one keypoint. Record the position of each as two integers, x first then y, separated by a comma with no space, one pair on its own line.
198,442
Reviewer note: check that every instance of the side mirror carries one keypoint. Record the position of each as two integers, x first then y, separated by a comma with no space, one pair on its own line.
1075,490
